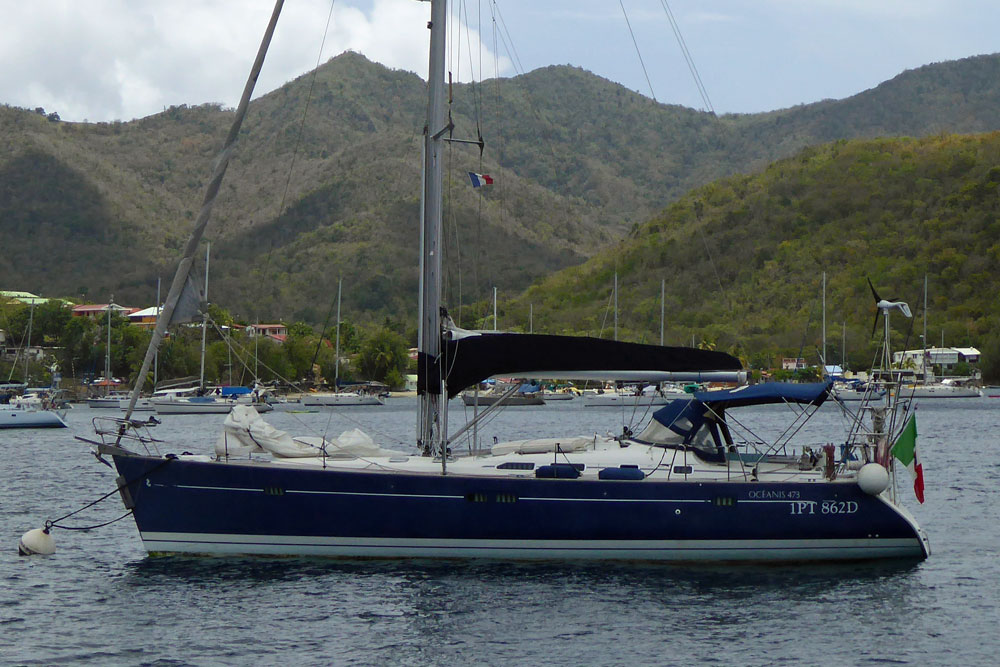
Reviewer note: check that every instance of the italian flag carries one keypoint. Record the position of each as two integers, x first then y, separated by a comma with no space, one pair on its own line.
905,450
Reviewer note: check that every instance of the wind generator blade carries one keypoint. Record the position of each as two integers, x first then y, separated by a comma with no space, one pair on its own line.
874,293
877,302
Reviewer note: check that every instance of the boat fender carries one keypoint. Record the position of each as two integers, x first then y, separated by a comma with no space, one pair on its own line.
36,542
873,479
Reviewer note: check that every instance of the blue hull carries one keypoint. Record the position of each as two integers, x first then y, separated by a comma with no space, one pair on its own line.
225,508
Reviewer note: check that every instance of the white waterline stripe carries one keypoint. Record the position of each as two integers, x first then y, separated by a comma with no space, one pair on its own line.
379,542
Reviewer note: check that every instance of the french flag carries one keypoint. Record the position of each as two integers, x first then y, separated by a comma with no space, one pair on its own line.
479,180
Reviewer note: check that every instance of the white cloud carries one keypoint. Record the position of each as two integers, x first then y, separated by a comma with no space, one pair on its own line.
122,59
108,59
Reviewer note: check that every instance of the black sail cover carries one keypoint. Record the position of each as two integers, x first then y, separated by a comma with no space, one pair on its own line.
467,360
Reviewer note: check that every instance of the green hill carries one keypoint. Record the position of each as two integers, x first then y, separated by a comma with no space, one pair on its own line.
742,258
579,162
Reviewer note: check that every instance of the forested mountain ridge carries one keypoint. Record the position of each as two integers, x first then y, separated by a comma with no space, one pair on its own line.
578,160
742,258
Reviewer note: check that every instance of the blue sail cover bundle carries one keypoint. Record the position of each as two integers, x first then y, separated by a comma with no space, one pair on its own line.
470,359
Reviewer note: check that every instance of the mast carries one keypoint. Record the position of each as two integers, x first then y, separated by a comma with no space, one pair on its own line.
823,356
616,305
204,320
663,288
495,324
432,404
156,356
336,361
27,349
107,350
843,347
923,339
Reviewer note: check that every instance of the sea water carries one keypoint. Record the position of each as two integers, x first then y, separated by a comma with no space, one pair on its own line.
100,600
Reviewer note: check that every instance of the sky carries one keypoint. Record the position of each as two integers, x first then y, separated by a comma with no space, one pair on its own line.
104,60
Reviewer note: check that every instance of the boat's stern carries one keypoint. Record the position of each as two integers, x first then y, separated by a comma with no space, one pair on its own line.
919,533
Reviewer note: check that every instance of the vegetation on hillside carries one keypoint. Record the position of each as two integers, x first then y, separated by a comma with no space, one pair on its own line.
743,258
578,160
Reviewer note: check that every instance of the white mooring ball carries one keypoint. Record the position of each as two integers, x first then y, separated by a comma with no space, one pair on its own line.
873,479
36,542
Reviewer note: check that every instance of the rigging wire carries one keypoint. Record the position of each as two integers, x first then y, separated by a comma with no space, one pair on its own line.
687,58
322,332
455,280
298,137
500,37
637,51
509,42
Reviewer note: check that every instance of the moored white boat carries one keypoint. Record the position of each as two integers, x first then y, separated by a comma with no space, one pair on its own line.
31,412
557,395
627,399
640,397
947,388
507,395
142,404
855,391
339,398
111,400
202,405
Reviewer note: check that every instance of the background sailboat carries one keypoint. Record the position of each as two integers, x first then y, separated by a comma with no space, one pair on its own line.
107,394
363,394
30,409
203,400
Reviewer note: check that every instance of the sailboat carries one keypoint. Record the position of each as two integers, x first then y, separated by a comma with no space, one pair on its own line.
107,398
363,394
682,489
24,407
201,400
632,395
31,411
926,386
842,389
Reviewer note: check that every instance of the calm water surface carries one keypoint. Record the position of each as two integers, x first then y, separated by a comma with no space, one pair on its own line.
100,600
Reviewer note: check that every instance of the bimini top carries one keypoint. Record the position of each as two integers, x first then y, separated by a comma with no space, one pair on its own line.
470,357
